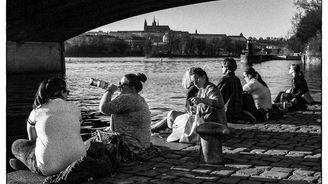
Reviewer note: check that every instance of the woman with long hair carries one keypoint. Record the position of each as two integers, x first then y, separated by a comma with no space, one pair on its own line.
53,128
168,121
298,95
209,98
258,89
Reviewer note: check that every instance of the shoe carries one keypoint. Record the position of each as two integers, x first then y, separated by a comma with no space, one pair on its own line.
17,165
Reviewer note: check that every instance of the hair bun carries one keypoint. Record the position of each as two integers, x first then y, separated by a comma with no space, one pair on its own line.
142,77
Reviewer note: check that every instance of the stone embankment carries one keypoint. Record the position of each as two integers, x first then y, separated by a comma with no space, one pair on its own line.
282,151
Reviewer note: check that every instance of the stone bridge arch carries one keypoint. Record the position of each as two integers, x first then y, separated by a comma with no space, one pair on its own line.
36,29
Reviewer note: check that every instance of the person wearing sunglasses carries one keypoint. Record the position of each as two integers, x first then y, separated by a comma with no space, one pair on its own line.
53,128
129,111
168,120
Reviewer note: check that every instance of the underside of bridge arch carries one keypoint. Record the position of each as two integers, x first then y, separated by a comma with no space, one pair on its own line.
36,29
59,20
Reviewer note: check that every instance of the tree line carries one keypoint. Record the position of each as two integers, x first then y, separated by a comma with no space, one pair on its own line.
177,45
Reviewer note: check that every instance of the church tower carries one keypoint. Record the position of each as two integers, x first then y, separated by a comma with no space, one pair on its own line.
154,23
145,25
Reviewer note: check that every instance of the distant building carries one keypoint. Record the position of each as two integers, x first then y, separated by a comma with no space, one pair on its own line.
154,32
155,27
240,38
209,37
162,34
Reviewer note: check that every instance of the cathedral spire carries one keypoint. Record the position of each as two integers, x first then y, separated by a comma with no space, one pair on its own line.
154,22
145,25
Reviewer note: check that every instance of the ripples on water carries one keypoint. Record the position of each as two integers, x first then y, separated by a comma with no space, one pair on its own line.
162,90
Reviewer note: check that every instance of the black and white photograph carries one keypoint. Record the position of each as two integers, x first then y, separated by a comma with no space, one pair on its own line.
163,91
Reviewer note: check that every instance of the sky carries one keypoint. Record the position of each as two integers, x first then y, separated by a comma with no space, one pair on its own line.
255,18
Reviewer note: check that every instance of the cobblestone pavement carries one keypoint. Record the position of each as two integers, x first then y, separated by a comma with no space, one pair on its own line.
276,151
286,151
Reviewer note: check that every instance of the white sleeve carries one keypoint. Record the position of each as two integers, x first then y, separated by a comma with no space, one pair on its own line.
31,119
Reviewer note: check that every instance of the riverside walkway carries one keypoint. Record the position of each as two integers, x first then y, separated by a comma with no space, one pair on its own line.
286,151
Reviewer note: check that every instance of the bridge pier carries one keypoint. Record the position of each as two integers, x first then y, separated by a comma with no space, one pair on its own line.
35,57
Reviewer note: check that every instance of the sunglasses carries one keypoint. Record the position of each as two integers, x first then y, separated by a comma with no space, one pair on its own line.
120,85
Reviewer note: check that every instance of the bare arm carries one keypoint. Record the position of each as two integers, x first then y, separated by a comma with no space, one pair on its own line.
31,133
116,106
104,105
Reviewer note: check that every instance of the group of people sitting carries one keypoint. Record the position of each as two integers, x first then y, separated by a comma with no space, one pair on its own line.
231,102
54,142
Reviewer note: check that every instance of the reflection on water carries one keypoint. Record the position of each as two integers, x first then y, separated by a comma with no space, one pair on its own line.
162,90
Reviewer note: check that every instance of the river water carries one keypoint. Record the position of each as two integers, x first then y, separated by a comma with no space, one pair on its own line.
163,90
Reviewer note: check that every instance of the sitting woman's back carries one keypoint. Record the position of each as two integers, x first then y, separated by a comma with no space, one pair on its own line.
131,116
130,112
53,129
59,142
258,89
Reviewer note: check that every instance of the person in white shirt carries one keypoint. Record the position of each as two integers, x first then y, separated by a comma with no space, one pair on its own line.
258,89
53,128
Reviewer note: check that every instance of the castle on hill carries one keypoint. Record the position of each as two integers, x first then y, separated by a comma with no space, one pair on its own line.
155,27
159,34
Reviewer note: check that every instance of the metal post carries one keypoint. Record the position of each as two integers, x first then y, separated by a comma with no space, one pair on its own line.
211,149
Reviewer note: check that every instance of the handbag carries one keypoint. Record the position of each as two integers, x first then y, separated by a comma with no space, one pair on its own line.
184,128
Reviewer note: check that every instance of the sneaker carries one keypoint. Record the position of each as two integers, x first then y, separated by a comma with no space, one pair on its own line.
17,164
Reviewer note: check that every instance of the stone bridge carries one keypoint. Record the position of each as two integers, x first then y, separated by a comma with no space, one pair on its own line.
36,29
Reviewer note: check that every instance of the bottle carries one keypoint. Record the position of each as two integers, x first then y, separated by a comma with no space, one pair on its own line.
99,83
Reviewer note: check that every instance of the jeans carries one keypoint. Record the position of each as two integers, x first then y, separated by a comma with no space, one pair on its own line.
24,150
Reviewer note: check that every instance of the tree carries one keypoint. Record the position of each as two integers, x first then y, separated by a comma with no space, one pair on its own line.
200,45
307,23
147,48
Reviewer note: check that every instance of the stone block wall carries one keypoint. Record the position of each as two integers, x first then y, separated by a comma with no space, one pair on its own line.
35,57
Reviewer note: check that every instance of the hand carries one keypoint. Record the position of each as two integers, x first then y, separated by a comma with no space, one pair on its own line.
288,90
192,109
196,100
112,88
